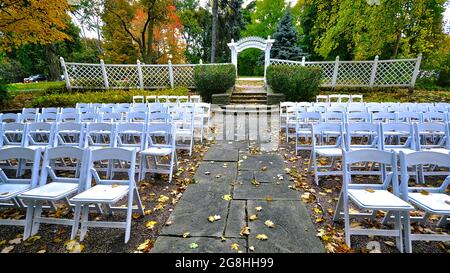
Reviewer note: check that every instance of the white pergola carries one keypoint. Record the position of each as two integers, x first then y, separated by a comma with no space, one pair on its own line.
251,42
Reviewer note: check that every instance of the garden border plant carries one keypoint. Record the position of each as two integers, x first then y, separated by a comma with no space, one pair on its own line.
214,79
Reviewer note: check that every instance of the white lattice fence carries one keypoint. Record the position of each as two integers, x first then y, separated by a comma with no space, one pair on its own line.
383,73
122,76
155,76
87,76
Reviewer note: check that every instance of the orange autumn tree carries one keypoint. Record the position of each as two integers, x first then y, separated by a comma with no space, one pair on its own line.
32,22
169,43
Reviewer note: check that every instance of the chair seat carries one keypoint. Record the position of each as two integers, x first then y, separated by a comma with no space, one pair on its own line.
9,190
157,151
433,202
438,150
131,148
101,194
380,199
329,151
184,132
36,147
54,190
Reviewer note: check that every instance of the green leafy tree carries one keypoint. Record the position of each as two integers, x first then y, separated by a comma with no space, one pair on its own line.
286,40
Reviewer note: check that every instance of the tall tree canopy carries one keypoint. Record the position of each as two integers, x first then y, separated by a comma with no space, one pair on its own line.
32,22
286,40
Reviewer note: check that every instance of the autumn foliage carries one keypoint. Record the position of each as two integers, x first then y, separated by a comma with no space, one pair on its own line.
32,22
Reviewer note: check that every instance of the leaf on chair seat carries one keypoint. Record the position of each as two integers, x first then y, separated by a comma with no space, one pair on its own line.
114,185
424,192
370,190
4,193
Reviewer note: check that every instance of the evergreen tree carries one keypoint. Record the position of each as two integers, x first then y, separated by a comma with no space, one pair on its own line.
286,40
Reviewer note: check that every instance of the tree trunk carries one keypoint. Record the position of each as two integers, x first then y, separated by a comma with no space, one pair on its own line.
53,62
215,8
149,54
397,44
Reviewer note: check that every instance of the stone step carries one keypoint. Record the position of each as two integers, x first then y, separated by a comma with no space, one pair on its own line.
249,94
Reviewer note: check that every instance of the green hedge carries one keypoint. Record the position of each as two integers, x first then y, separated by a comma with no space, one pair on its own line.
214,79
108,96
297,83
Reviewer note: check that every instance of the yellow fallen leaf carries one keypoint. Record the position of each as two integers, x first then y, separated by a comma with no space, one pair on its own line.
234,246
160,206
263,168
370,190
74,247
136,216
262,237
145,246
15,241
214,218
255,182
186,234
42,251
115,185
227,197
148,212
269,223
151,224
424,192
269,198
162,198
252,248
223,239
245,230
253,217
258,208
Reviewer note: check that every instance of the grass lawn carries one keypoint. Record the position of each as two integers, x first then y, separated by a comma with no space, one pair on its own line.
25,87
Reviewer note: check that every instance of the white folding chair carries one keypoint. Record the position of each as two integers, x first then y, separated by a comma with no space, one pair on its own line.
409,117
159,143
69,134
303,128
432,136
13,134
397,137
28,117
53,187
345,98
39,135
356,98
33,111
10,188
195,99
361,135
184,130
69,117
9,117
140,117
434,117
322,98
352,117
370,196
50,110
111,117
108,191
182,99
138,99
322,148
99,135
151,99
334,98
431,200
48,117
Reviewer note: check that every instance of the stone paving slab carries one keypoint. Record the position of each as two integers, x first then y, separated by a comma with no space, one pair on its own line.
220,172
236,219
221,154
256,162
191,215
293,231
168,244
227,144
265,190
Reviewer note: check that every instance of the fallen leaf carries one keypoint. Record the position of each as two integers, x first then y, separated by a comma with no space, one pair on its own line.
148,212
162,198
223,239
151,224
145,246
370,190
42,251
186,234
253,217
115,185
234,246
262,237
255,182
15,241
193,245
160,206
136,216
269,223
389,243
73,246
227,197
168,223
214,218
7,249
245,230
269,198
207,173
2,242
264,168
258,208
252,248
424,192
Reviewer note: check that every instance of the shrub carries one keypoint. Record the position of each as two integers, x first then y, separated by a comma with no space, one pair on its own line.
108,96
214,79
297,83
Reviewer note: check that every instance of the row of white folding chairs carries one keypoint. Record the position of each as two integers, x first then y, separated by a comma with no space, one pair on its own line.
165,98
405,137
352,117
339,98
396,199
47,185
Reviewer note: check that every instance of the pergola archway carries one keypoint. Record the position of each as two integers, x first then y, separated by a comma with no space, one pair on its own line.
251,42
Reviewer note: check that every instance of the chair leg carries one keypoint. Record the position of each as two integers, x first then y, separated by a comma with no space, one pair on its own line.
339,208
28,220
316,172
129,213
141,167
84,220
76,221
398,227
386,218
346,221
138,201
36,221
407,232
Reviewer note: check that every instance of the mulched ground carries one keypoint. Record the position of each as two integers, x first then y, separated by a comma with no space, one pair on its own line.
158,197
321,202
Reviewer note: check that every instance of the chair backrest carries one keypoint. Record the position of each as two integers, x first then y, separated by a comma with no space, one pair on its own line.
137,117
111,117
50,110
358,117
345,98
104,110
86,110
160,135
30,111
324,129
159,118
28,117
55,163
384,117
9,117
39,134
130,135
356,107
17,154
90,117
138,99
182,99
321,98
434,117
383,158
13,134
334,98
365,134
69,134
69,110
403,131
355,98
151,99
69,117
157,108
99,134
432,135
48,117
83,105
163,99
409,116
333,117
338,109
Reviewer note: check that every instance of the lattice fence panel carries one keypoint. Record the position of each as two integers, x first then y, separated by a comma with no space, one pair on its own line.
183,75
122,76
398,73
87,76
327,69
155,76
354,73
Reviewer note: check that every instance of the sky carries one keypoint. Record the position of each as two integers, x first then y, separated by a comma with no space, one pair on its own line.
92,34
